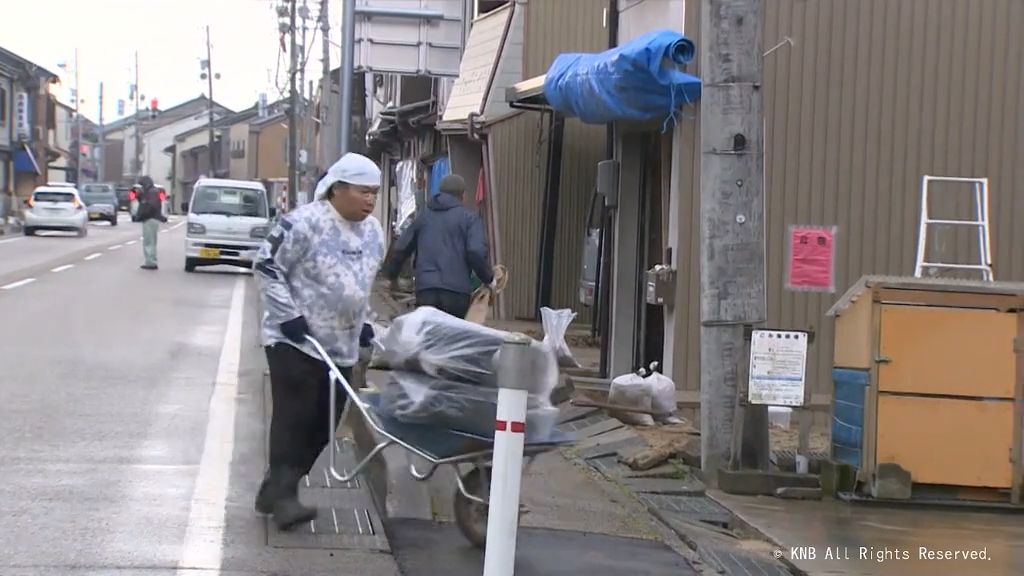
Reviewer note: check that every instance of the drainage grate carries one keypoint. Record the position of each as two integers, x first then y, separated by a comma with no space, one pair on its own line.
729,561
699,508
346,520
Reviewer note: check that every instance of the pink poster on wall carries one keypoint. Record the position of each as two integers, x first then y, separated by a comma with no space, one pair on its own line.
812,259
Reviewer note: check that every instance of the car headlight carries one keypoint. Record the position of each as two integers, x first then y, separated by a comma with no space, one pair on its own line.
259,232
196,228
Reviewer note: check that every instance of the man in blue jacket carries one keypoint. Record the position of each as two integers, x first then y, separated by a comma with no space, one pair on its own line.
449,243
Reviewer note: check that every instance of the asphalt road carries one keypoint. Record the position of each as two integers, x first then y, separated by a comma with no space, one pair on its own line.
132,416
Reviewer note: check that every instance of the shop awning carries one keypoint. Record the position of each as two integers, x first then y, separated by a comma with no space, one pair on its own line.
25,161
639,81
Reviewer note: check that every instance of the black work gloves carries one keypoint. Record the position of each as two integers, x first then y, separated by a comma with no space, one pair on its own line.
295,329
366,336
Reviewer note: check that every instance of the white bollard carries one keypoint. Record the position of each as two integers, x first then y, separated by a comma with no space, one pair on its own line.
507,469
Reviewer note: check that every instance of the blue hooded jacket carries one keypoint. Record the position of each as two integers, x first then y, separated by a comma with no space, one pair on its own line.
449,244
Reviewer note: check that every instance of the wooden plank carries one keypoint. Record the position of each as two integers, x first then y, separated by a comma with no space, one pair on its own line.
853,336
947,351
1017,482
876,283
870,430
972,437
950,299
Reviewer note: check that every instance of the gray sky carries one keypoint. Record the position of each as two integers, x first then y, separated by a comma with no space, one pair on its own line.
170,38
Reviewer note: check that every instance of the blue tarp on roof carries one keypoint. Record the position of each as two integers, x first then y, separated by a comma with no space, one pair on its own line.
638,81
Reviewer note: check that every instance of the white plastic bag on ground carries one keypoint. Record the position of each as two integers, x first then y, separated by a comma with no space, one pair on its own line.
632,391
556,324
663,397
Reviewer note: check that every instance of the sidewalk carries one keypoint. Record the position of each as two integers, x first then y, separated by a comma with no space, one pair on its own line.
836,537
577,522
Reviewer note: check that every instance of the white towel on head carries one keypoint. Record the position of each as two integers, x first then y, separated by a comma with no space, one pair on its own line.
351,168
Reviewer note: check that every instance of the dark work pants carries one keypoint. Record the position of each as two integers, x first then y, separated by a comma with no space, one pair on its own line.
299,386
453,303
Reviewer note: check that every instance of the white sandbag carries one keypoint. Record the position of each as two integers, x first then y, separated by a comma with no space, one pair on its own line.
556,324
632,391
663,398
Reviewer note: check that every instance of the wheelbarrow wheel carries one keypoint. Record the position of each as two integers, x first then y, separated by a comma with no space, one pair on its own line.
470,516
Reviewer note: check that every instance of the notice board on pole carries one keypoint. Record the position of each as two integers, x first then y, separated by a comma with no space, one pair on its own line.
811,266
778,367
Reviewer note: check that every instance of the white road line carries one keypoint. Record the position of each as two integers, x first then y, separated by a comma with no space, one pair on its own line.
18,284
176,226
93,256
59,269
115,247
8,240
204,535
130,242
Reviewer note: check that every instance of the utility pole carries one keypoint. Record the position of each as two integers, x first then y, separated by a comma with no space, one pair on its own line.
101,169
136,96
348,45
209,78
78,128
732,255
303,107
325,84
293,112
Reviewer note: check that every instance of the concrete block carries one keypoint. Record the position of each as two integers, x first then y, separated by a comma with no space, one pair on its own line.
794,493
757,483
837,477
891,482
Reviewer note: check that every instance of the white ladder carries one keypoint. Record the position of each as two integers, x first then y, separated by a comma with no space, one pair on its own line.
979,187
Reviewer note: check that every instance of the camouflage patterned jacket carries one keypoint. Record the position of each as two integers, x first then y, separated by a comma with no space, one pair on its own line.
318,265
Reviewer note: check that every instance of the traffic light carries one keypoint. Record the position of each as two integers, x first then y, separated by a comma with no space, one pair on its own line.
153,109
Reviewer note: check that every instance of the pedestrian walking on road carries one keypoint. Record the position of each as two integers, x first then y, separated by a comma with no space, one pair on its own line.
449,243
315,273
151,214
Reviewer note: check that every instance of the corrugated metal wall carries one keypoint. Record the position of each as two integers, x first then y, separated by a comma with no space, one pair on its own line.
873,95
519,159
552,27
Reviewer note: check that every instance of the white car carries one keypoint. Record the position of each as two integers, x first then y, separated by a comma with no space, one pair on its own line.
56,208
227,222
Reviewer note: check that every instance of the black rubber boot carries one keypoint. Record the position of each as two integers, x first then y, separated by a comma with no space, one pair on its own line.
288,511
267,496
